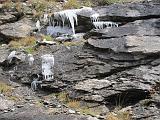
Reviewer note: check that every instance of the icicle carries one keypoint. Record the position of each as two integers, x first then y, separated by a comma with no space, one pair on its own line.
68,15
95,17
50,19
30,59
38,26
53,23
11,56
34,84
11,73
45,18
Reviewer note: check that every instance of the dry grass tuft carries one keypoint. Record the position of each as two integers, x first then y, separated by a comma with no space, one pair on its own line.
63,97
5,89
8,4
76,43
14,98
40,6
120,115
27,44
24,42
77,105
71,4
73,104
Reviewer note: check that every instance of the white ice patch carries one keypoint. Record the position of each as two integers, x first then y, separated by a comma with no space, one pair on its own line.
30,59
102,25
47,66
11,56
51,30
45,18
38,26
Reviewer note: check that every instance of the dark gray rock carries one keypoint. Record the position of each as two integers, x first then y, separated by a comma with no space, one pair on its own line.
126,12
141,36
92,84
146,109
19,29
129,44
5,104
148,27
4,52
6,18
119,86
34,114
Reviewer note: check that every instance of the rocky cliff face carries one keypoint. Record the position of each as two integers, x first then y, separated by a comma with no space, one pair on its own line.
114,67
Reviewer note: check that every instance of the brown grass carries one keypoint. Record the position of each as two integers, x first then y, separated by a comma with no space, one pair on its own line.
5,89
63,97
24,42
71,4
125,115
73,104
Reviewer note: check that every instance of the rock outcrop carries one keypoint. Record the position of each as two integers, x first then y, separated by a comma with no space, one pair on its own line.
126,12
19,29
114,67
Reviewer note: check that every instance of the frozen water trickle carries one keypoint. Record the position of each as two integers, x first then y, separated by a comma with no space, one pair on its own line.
11,56
64,22
69,16
38,26
34,84
30,59
45,18
102,24
47,67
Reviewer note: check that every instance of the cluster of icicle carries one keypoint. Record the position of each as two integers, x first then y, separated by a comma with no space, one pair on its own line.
101,24
65,16
71,17
65,21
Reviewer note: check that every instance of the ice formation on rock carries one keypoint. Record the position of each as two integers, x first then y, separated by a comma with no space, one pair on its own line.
34,84
95,17
11,56
64,22
38,26
69,16
47,67
102,25
30,59
45,18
